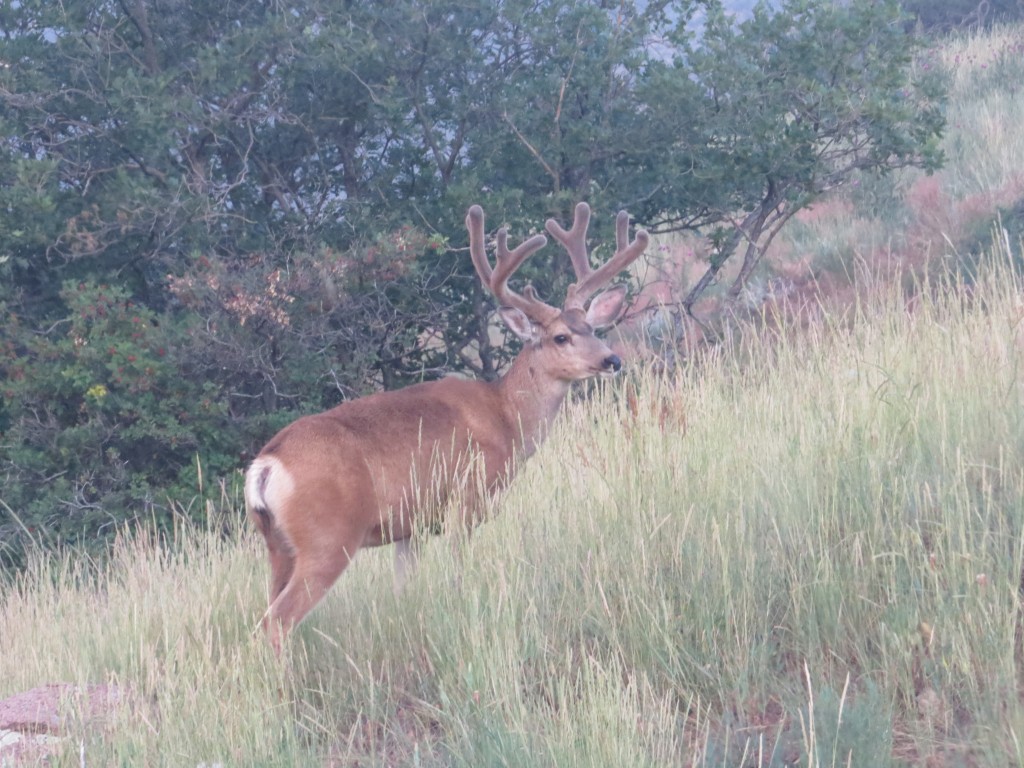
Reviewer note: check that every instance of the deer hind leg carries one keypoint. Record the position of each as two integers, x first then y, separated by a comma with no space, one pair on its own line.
282,567
312,575
282,563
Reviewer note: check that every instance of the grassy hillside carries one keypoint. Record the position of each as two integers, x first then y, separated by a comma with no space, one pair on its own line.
806,549
820,565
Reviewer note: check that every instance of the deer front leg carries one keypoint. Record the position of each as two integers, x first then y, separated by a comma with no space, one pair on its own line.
407,556
472,510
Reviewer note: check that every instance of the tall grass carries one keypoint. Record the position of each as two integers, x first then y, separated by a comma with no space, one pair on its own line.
805,551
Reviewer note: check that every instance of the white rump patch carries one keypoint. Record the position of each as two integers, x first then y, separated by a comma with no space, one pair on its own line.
276,488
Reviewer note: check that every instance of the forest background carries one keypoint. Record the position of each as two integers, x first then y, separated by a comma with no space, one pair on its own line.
218,216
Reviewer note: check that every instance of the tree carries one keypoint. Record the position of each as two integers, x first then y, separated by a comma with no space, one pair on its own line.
793,103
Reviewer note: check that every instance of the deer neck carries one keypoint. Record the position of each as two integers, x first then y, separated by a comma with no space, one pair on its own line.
532,400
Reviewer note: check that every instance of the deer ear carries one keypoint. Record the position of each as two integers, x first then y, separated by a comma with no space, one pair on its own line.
606,307
520,324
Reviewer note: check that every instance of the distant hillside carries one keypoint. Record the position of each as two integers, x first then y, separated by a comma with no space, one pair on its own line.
743,8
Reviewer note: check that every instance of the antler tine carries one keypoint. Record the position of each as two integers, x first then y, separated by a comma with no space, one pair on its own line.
509,261
574,240
496,279
477,249
625,254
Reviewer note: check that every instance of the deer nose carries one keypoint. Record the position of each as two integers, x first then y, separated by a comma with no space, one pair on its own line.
612,363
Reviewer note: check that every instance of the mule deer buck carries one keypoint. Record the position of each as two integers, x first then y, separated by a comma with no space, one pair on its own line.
371,471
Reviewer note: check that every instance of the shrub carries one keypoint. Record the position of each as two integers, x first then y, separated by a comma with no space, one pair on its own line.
99,423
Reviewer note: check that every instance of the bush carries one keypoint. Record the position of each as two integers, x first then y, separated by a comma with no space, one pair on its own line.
100,422
116,411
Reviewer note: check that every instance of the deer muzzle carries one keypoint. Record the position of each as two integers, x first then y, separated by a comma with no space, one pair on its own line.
611,364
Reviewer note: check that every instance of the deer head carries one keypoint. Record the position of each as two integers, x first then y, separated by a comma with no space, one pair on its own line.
572,350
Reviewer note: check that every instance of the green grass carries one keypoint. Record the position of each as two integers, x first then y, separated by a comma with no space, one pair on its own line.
807,550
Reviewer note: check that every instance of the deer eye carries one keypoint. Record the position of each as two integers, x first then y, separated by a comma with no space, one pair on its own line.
561,339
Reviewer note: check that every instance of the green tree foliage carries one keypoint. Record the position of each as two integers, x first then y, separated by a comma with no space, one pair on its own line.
273,196
103,406
792,103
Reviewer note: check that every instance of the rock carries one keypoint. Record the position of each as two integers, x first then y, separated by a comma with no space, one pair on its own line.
33,722
23,749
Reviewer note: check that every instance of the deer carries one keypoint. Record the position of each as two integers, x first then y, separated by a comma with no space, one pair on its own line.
377,469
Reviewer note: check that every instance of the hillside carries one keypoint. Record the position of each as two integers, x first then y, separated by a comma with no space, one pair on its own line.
805,547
